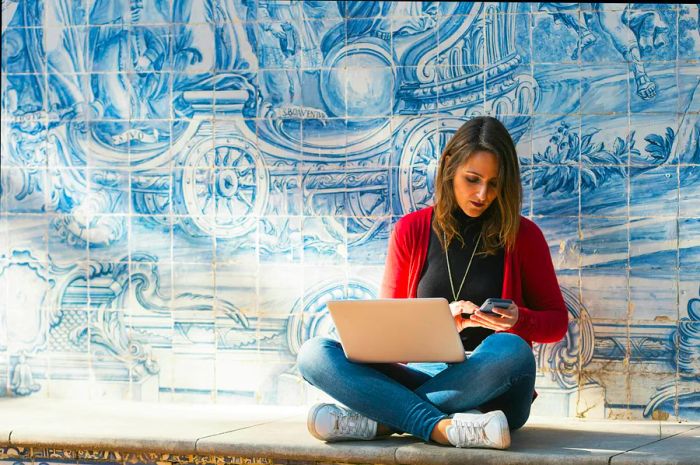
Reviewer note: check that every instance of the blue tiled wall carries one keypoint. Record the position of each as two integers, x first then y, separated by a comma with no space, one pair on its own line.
186,182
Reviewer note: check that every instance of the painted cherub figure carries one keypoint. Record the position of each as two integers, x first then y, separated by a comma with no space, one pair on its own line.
631,32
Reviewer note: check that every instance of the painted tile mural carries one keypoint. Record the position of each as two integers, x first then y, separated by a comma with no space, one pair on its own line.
185,183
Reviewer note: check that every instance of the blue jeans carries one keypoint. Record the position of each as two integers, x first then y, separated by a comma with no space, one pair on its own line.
498,375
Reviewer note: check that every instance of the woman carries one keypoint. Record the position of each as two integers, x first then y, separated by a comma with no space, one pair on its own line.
471,245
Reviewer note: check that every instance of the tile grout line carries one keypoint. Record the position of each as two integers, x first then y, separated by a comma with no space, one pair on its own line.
652,442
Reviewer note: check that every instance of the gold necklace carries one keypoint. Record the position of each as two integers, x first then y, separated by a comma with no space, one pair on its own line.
449,271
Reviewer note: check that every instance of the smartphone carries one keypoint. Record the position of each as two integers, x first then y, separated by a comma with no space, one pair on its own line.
489,304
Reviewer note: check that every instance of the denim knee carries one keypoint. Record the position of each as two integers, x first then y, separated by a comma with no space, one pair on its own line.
312,355
516,351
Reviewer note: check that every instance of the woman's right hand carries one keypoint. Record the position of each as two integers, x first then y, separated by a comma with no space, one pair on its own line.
458,308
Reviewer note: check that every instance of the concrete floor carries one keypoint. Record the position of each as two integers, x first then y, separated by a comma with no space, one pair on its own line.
279,435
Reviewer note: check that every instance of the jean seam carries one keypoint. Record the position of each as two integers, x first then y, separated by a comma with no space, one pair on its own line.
517,378
511,382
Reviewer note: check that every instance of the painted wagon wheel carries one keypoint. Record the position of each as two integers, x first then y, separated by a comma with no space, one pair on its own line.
224,187
313,319
367,208
418,145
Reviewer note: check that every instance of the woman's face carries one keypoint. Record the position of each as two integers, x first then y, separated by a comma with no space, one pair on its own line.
476,183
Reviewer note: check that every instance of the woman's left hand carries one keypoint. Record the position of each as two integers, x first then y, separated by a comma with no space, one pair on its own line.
502,319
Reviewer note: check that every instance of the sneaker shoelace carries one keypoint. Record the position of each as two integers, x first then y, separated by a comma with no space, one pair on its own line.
470,433
352,423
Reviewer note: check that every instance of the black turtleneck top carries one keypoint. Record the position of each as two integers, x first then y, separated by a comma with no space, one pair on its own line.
484,280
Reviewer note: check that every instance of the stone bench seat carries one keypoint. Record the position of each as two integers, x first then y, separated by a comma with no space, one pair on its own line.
51,431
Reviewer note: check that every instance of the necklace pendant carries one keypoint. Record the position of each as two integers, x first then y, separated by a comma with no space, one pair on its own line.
455,295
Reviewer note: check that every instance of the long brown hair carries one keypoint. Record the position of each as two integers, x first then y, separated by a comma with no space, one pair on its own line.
502,218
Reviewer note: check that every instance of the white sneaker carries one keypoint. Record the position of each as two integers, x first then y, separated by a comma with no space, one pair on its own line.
331,422
468,412
479,430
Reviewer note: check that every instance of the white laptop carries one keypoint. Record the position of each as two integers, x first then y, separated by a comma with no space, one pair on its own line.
397,330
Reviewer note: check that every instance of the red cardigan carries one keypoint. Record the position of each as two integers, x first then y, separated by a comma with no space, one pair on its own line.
528,275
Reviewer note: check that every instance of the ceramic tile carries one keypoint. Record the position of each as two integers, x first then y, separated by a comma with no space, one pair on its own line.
372,199
325,240
527,199
243,250
367,241
61,249
556,139
316,277
318,135
616,385
28,233
25,201
609,300
687,33
687,351
590,401
27,375
654,134
656,90
193,374
689,291
687,81
653,295
608,46
437,79
363,281
688,196
555,189
561,233
653,244
523,140
196,249
320,182
280,240
280,287
193,278
523,42
661,45
380,133
238,286
654,394
611,201
598,85
457,87
241,377
415,152
544,25
4,372
687,233
369,86
523,104
150,238
604,242
4,240
113,243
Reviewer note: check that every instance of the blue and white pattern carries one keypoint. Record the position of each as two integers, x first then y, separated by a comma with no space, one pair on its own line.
186,183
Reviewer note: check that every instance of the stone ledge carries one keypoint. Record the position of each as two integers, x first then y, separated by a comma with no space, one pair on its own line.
130,432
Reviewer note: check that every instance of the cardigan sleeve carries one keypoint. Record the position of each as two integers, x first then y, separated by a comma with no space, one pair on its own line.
543,317
395,280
